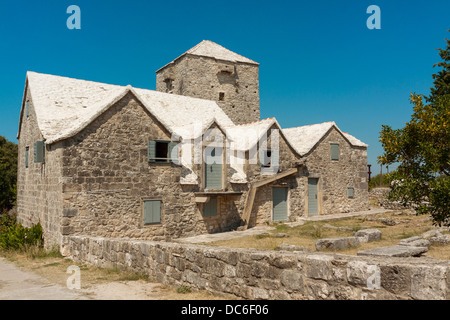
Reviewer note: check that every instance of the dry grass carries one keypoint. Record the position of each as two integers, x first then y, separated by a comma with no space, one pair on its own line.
307,234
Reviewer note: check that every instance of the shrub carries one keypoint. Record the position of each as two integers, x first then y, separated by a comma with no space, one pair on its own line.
14,236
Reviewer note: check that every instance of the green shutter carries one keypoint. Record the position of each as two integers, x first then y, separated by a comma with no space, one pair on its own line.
173,147
152,211
39,151
151,151
279,199
210,208
350,192
27,150
334,151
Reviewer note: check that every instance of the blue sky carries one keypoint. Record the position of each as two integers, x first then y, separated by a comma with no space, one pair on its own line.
319,61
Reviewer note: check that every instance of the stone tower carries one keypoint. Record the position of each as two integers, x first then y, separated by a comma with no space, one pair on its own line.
210,71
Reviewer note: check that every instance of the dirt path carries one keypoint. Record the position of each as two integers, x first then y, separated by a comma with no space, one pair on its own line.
17,284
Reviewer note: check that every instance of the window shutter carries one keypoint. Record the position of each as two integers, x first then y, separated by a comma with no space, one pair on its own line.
210,208
151,151
172,152
152,211
39,151
334,151
350,192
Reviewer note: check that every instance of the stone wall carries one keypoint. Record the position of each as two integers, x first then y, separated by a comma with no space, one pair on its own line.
107,176
39,185
335,176
264,274
208,78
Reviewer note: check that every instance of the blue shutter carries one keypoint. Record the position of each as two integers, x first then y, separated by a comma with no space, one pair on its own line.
210,208
173,148
39,151
279,198
350,192
152,211
151,151
334,151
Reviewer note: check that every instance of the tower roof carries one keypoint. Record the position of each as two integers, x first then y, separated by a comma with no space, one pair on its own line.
210,49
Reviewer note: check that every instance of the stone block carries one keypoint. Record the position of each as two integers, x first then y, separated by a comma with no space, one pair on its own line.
319,267
292,280
337,243
429,283
368,234
394,251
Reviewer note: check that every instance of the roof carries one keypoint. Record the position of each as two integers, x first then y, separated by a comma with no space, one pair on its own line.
210,49
64,106
305,138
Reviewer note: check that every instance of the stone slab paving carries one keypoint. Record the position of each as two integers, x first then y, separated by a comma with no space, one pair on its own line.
206,238
16,284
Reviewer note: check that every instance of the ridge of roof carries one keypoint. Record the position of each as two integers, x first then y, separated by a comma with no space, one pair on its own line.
210,49
305,138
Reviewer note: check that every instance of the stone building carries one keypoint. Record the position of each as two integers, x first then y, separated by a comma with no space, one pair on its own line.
192,157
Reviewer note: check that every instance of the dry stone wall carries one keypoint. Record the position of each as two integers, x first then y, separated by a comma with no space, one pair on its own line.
263,274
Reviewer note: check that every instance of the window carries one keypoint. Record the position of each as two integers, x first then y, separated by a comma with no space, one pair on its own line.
266,159
27,108
152,212
169,85
221,96
334,151
27,151
350,192
162,151
39,152
210,208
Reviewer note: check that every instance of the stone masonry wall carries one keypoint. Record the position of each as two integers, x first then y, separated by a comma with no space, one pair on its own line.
107,176
207,78
38,186
265,274
335,176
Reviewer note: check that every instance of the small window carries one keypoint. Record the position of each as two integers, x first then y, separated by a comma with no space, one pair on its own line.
221,96
27,151
334,151
350,192
152,212
169,84
27,108
266,159
210,208
162,151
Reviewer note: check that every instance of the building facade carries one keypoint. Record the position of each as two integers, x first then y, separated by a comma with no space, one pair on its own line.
192,157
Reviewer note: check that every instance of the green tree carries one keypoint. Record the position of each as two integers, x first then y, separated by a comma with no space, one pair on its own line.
422,149
8,173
